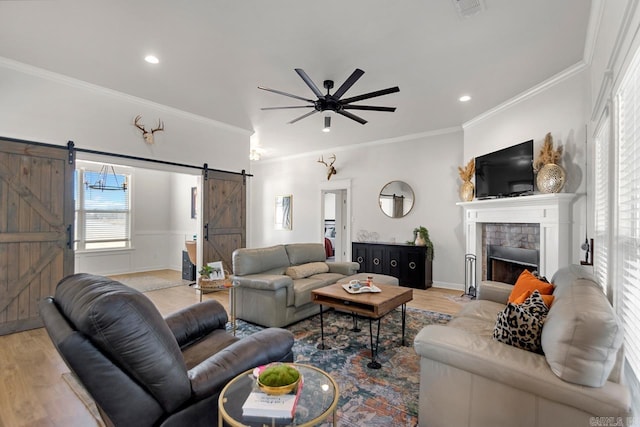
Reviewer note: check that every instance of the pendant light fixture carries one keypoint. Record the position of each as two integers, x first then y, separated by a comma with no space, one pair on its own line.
106,181
327,124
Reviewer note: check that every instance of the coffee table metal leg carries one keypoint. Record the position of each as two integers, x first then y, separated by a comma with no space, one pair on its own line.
374,364
355,323
321,346
404,318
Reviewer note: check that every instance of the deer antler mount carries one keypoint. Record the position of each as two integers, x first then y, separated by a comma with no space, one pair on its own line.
148,134
330,169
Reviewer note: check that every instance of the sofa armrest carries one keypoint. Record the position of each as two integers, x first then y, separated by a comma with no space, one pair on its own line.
348,268
194,322
515,368
494,291
270,282
266,346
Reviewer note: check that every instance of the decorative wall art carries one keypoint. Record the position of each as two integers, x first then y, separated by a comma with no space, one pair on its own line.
283,212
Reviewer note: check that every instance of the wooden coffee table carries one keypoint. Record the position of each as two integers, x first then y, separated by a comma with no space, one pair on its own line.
370,305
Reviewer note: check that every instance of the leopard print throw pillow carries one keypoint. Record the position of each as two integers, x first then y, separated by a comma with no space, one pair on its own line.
521,325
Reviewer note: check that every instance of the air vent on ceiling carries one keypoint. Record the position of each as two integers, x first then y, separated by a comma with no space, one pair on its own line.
467,8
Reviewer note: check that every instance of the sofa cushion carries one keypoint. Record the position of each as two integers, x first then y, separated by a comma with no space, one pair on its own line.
306,270
527,281
581,336
302,253
271,260
482,310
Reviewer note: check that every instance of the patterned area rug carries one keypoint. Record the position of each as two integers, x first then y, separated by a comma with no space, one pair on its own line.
368,397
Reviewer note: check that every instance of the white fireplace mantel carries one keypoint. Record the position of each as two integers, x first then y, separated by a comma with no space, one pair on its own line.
551,211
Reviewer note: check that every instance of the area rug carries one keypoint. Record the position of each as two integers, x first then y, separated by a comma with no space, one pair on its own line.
368,397
146,283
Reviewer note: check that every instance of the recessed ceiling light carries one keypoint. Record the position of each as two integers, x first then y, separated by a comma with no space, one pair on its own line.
464,98
151,59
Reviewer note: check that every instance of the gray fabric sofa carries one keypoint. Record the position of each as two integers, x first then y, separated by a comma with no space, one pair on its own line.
469,379
275,283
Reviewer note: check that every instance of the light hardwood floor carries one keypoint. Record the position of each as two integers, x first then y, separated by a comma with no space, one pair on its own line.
33,393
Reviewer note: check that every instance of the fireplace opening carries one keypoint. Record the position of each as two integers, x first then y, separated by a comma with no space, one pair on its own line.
504,264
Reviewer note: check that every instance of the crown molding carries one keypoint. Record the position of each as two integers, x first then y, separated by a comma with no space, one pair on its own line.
394,140
530,93
81,84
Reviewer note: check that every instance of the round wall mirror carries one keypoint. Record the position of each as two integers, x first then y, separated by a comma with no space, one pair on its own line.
396,199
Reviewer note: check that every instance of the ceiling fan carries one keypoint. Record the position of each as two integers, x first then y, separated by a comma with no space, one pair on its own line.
334,102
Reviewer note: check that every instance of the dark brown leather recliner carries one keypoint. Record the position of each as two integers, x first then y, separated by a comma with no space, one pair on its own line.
146,370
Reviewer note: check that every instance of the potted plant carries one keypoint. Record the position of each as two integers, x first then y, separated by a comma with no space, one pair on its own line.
421,238
205,271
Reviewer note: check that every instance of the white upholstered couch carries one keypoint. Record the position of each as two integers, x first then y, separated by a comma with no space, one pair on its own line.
469,379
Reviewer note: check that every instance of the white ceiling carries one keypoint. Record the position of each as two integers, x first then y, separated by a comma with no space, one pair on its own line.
214,53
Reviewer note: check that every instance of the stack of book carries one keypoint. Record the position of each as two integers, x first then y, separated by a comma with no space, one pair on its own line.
260,406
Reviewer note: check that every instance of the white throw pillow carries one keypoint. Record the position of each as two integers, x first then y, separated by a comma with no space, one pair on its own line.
306,270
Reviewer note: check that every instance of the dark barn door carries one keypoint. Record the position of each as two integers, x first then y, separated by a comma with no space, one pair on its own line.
224,216
36,213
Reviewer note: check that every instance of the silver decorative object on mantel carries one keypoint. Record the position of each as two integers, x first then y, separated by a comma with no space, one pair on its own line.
551,178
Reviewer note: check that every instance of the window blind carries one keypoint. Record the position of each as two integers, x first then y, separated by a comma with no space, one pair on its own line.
601,204
627,204
102,216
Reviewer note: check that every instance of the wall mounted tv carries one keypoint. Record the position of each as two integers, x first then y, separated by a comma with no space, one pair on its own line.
505,173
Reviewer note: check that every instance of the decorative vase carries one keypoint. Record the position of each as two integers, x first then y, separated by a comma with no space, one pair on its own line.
420,241
551,178
466,191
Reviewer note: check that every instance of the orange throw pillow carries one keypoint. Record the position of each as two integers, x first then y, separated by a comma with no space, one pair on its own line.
548,299
528,282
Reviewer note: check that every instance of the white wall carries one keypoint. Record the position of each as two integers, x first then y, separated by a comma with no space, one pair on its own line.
428,164
558,106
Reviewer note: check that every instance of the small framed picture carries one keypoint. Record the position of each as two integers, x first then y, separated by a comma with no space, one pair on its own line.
194,201
217,271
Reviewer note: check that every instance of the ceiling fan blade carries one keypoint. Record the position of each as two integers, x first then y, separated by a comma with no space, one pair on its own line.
279,92
302,117
309,83
369,107
348,83
352,116
285,108
370,95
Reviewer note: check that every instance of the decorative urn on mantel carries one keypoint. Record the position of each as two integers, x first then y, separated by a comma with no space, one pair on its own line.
467,188
550,177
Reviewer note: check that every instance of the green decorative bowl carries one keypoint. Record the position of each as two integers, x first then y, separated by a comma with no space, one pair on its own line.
280,386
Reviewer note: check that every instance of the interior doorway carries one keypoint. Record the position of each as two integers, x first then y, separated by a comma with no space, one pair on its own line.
335,224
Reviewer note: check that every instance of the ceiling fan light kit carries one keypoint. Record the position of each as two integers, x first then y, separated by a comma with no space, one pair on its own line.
334,102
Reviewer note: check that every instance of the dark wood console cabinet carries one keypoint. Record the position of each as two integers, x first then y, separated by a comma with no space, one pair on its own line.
406,262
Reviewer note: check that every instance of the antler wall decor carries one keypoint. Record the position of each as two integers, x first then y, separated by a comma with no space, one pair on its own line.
148,134
330,169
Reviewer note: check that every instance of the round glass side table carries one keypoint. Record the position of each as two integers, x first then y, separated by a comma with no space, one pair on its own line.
318,399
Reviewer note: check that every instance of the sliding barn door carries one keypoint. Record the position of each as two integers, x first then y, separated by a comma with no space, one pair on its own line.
224,216
36,209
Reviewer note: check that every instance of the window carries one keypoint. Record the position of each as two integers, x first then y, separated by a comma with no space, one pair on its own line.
626,221
103,209
602,203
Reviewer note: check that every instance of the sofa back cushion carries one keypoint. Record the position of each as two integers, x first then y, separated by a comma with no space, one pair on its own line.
270,260
302,253
581,335
129,330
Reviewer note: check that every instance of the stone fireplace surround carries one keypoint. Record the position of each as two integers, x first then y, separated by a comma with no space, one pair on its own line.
552,212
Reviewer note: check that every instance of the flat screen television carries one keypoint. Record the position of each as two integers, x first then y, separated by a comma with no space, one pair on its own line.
505,173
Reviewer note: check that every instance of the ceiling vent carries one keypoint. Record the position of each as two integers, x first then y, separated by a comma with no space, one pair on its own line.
467,8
